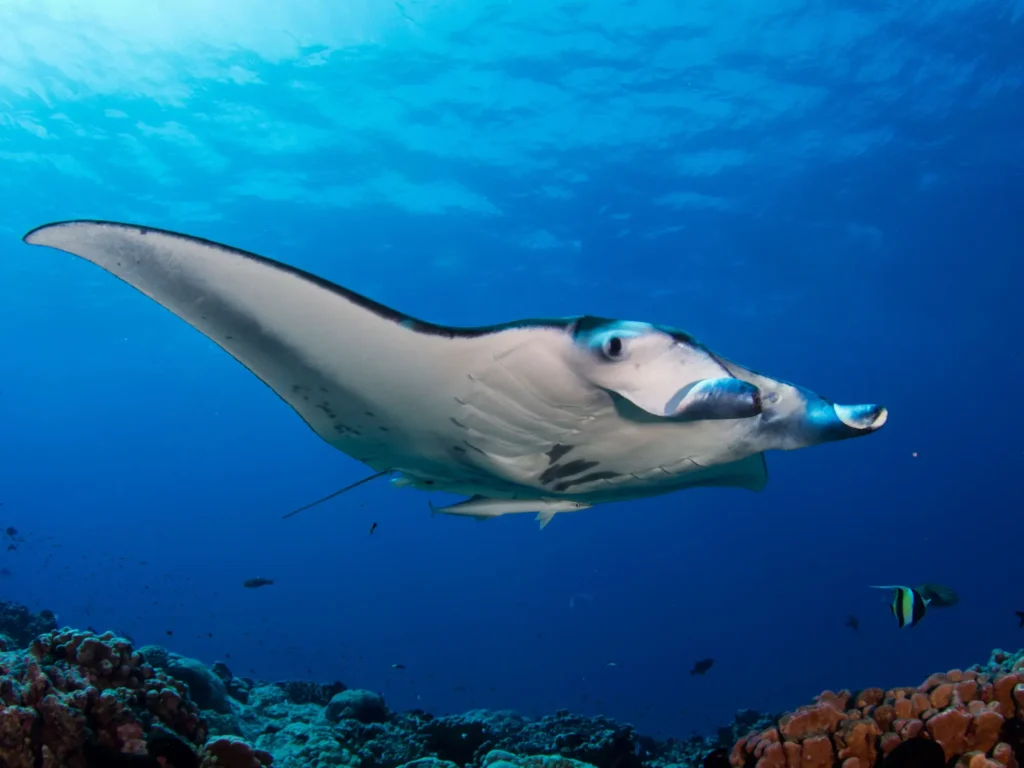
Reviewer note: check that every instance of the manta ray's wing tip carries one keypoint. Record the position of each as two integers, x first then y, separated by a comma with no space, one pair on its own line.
35,235
48,234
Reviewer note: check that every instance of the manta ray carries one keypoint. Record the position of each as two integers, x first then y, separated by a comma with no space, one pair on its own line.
538,415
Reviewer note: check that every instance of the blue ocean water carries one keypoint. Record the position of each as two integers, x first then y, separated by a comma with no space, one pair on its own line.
832,194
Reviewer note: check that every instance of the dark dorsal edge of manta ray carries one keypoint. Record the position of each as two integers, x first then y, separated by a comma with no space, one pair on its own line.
542,416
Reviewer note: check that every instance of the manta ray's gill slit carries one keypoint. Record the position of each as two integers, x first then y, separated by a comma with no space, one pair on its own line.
559,471
593,477
470,445
558,451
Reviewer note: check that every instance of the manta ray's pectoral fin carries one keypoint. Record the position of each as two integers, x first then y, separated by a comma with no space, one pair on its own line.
750,474
334,356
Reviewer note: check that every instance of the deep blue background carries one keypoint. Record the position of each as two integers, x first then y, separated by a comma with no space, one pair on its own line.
831,194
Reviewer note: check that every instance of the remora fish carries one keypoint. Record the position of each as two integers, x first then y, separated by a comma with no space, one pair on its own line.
485,509
586,409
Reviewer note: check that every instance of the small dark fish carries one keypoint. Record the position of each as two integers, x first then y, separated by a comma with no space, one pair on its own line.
169,633
11,547
937,595
916,753
908,605
257,582
11,531
852,623
1020,615
398,666
47,614
5,572
373,528
702,666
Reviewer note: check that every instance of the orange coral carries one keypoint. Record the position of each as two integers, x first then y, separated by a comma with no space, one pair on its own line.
964,711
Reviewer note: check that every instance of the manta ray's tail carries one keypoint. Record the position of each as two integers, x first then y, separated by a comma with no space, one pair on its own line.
330,496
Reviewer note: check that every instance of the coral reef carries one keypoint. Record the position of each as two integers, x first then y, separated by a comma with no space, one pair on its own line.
85,700
205,687
357,704
81,699
975,715
72,692
303,734
19,626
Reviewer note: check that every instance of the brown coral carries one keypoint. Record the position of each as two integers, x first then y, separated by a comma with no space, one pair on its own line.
74,687
964,711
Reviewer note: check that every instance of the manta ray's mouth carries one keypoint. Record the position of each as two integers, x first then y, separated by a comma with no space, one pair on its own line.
727,398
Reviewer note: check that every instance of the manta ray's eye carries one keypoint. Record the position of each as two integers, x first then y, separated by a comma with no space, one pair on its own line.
612,347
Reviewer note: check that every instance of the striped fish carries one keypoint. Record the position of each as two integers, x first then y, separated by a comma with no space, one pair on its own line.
908,606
